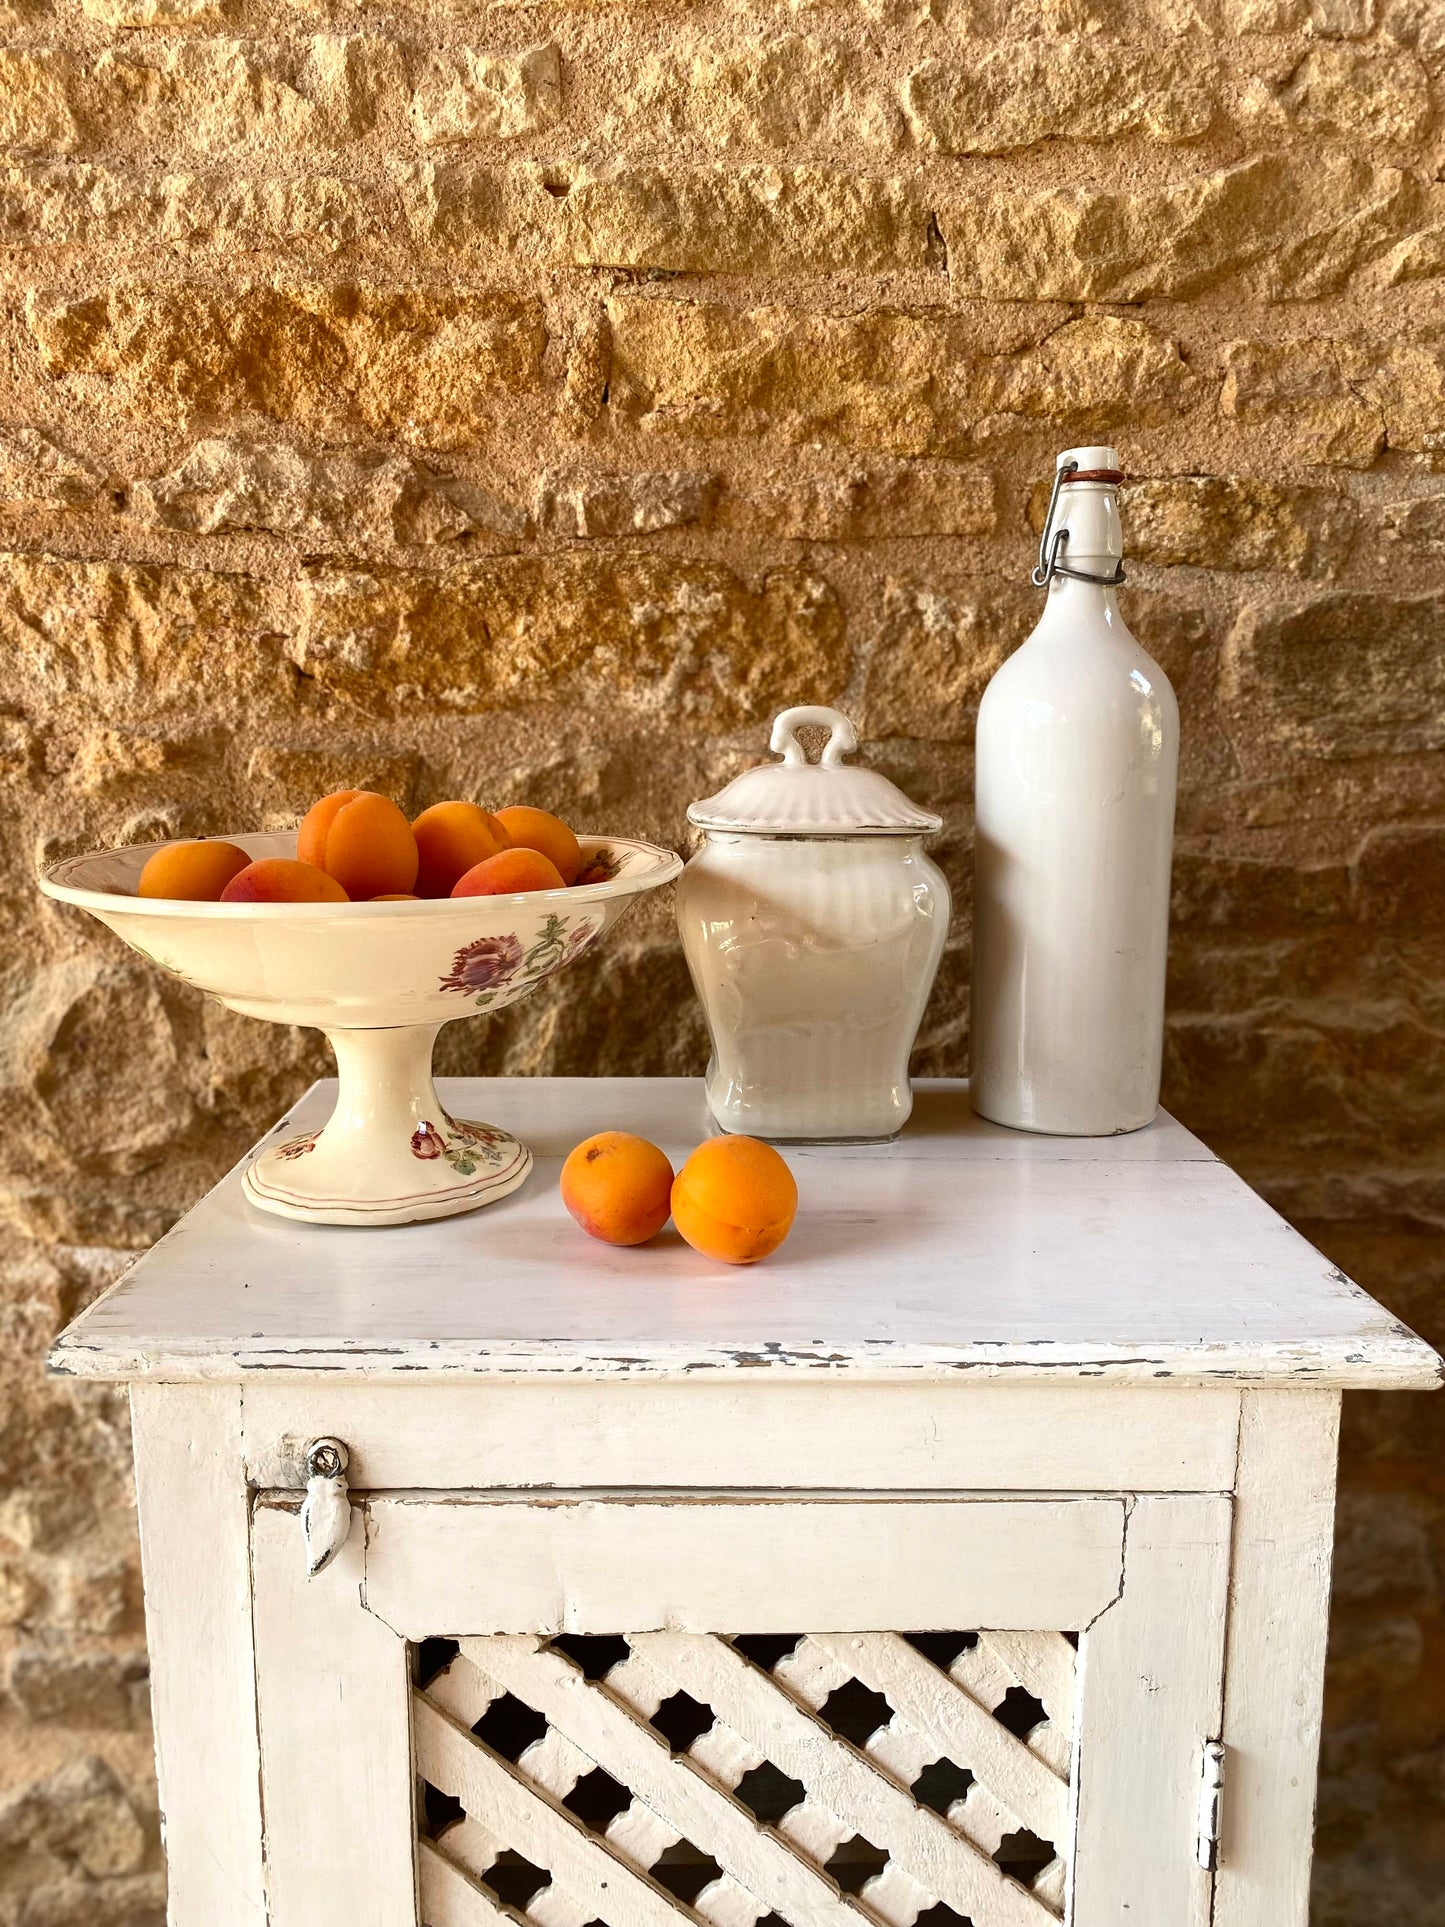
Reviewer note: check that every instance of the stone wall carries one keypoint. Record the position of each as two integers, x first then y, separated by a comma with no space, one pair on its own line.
524,401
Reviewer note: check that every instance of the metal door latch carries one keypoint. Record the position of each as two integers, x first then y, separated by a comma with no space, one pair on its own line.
1211,1804
326,1509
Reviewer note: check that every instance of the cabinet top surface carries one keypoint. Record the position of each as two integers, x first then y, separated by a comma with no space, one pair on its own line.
959,1250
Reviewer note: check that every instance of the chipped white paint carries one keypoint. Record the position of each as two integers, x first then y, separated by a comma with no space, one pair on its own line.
594,1566
331,1693
712,1432
993,1381
961,1250
1152,1673
194,1528
1279,1605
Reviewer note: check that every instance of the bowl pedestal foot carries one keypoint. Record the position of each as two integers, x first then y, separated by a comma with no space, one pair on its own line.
389,1153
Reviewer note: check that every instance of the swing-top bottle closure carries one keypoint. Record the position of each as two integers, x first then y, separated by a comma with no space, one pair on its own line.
1082,540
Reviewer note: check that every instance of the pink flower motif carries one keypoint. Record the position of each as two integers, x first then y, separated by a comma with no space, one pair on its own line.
427,1141
484,965
297,1147
601,867
578,942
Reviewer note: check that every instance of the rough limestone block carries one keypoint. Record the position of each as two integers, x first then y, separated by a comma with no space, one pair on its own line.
1235,522
322,497
760,95
37,469
464,94
769,220
1342,400
385,358
656,635
1348,93
895,381
124,638
1300,674
1092,244
987,99
623,504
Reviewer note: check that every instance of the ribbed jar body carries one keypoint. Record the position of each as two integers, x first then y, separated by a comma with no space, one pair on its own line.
813,959
1077,756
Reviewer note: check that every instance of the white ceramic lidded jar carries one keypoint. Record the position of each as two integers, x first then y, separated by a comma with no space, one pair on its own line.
813,923
1077,751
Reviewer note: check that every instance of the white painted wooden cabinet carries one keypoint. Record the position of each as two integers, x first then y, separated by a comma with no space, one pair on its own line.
966,1563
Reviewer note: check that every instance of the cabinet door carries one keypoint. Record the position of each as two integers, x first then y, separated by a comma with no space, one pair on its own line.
646,1712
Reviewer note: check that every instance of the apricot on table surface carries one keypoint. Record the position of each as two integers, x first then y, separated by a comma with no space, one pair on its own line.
734,1199
195,872
508,873
361,839
281,879
539,830
618,1187
452,838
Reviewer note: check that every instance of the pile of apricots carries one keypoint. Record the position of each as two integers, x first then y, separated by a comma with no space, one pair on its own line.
734,1199
358,847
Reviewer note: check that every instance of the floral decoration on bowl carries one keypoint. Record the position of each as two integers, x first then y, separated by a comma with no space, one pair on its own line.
463,1144
602,866
492,968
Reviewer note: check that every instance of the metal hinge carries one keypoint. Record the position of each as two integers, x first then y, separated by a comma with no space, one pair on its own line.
1211,1804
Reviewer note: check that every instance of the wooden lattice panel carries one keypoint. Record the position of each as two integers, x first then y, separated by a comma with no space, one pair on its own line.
913,1780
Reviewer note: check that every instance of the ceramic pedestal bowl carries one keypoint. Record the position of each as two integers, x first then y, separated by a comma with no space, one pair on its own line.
380,979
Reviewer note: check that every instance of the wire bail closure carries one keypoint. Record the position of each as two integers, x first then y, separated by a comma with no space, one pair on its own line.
1050,562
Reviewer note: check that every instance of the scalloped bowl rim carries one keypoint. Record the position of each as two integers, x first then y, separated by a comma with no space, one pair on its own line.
100,902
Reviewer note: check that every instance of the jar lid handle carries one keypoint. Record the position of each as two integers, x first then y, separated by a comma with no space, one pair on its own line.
841,739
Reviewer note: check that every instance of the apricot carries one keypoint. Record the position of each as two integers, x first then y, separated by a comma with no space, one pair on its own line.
452,838
194,872
363,840
280,879
618,1188
398,896
537,830
508,873
735,1199
316,824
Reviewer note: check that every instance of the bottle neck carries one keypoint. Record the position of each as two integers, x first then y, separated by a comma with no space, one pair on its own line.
1068,597
1088,513
1082,546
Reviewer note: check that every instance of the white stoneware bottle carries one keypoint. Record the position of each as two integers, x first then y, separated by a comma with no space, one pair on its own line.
813,923
1077,755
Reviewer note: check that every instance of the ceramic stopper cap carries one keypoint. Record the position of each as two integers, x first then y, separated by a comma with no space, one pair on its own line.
1089,458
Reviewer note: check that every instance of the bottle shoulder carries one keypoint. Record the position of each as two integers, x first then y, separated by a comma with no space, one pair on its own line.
1082,661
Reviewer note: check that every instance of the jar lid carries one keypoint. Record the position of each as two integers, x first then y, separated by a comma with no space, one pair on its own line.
826,798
